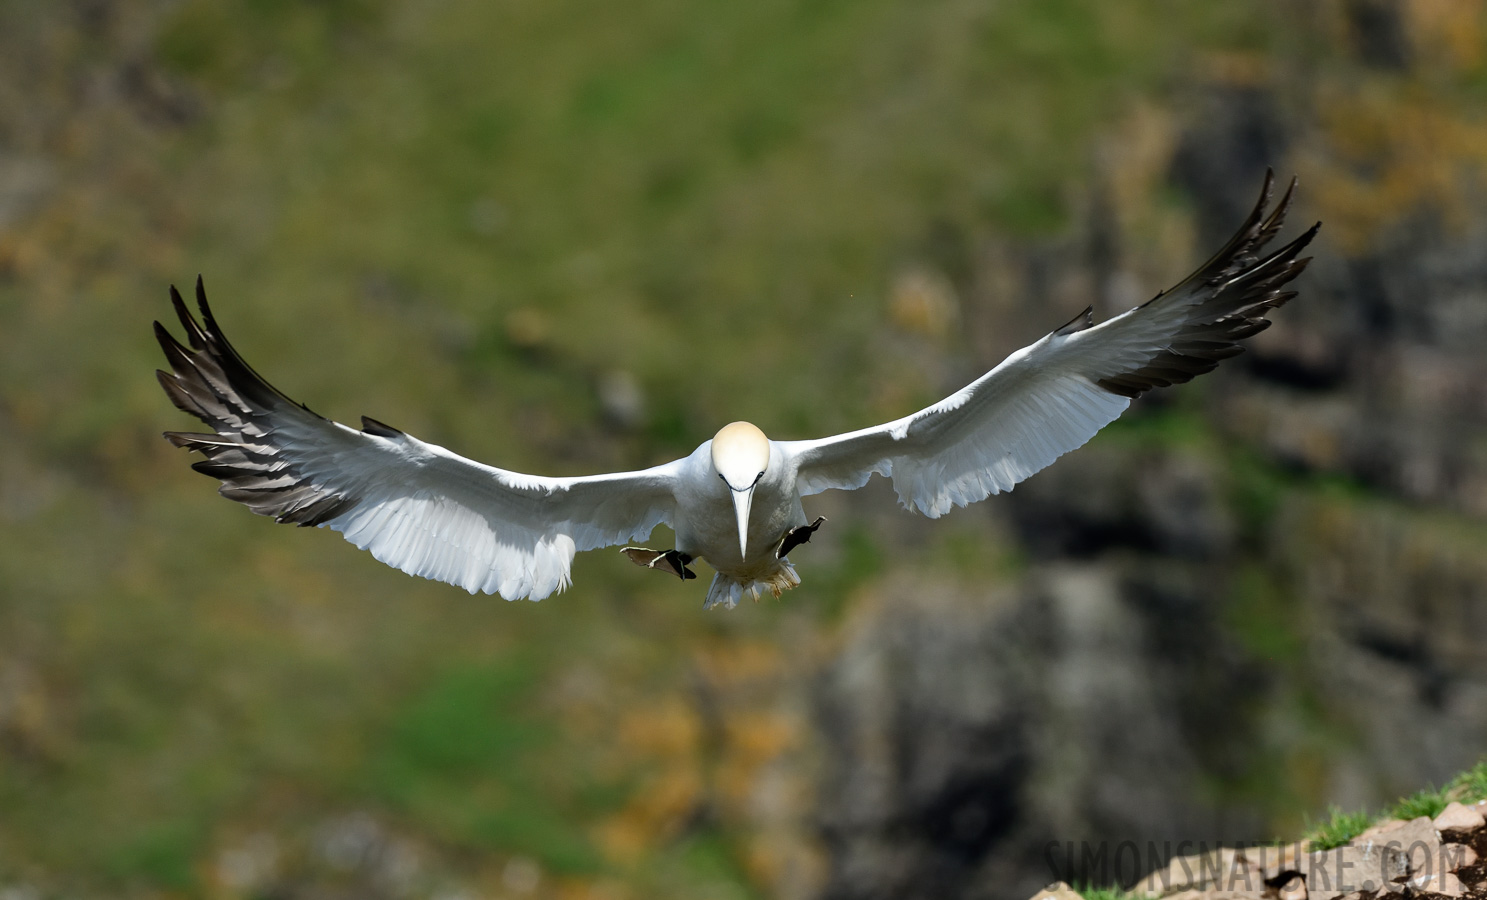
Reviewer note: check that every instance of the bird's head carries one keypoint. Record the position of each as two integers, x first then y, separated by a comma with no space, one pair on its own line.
740,457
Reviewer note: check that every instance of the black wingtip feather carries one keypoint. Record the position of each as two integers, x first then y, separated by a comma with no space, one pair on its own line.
1079,323
1276,218
194,335
1228,298
212,382
370,425
210,323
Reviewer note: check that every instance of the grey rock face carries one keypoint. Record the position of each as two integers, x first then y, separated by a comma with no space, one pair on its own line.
1271,611
970,734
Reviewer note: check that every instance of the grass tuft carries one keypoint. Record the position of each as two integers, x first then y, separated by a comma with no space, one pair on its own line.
1341,827
1471,785
1428,802
1337,829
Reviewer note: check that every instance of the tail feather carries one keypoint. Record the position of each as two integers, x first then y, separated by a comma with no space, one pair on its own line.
726,591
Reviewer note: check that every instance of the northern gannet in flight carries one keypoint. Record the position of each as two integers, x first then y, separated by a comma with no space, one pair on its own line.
735,501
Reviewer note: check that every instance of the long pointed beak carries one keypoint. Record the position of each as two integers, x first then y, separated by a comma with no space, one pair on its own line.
741,502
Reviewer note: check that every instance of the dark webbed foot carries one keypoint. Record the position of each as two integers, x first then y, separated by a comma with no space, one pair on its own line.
673,561
797,536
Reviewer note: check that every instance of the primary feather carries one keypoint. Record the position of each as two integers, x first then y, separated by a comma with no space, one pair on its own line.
413,505
1054,395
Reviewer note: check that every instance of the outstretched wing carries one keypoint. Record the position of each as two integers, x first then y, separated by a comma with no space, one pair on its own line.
1054,395
415,506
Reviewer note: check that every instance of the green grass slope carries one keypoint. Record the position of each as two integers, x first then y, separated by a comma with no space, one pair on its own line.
462,218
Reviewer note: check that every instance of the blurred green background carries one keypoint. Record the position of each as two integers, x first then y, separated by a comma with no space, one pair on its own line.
572,237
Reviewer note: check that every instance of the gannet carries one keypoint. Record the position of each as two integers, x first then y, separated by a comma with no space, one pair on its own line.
735,502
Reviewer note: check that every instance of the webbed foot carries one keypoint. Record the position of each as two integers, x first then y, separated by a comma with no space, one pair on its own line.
673,561
797,536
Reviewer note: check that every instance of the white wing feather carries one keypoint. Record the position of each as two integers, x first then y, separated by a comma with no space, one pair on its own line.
413,505
982,440
1053,396
432,513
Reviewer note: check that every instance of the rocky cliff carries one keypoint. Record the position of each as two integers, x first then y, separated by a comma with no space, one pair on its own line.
1268,589
522,230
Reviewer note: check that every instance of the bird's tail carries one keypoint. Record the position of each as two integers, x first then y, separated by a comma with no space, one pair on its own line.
726,591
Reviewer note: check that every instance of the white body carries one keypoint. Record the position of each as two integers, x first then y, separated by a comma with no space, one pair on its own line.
706,525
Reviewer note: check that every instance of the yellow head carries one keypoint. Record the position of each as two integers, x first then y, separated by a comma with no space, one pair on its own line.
740,457
740,454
